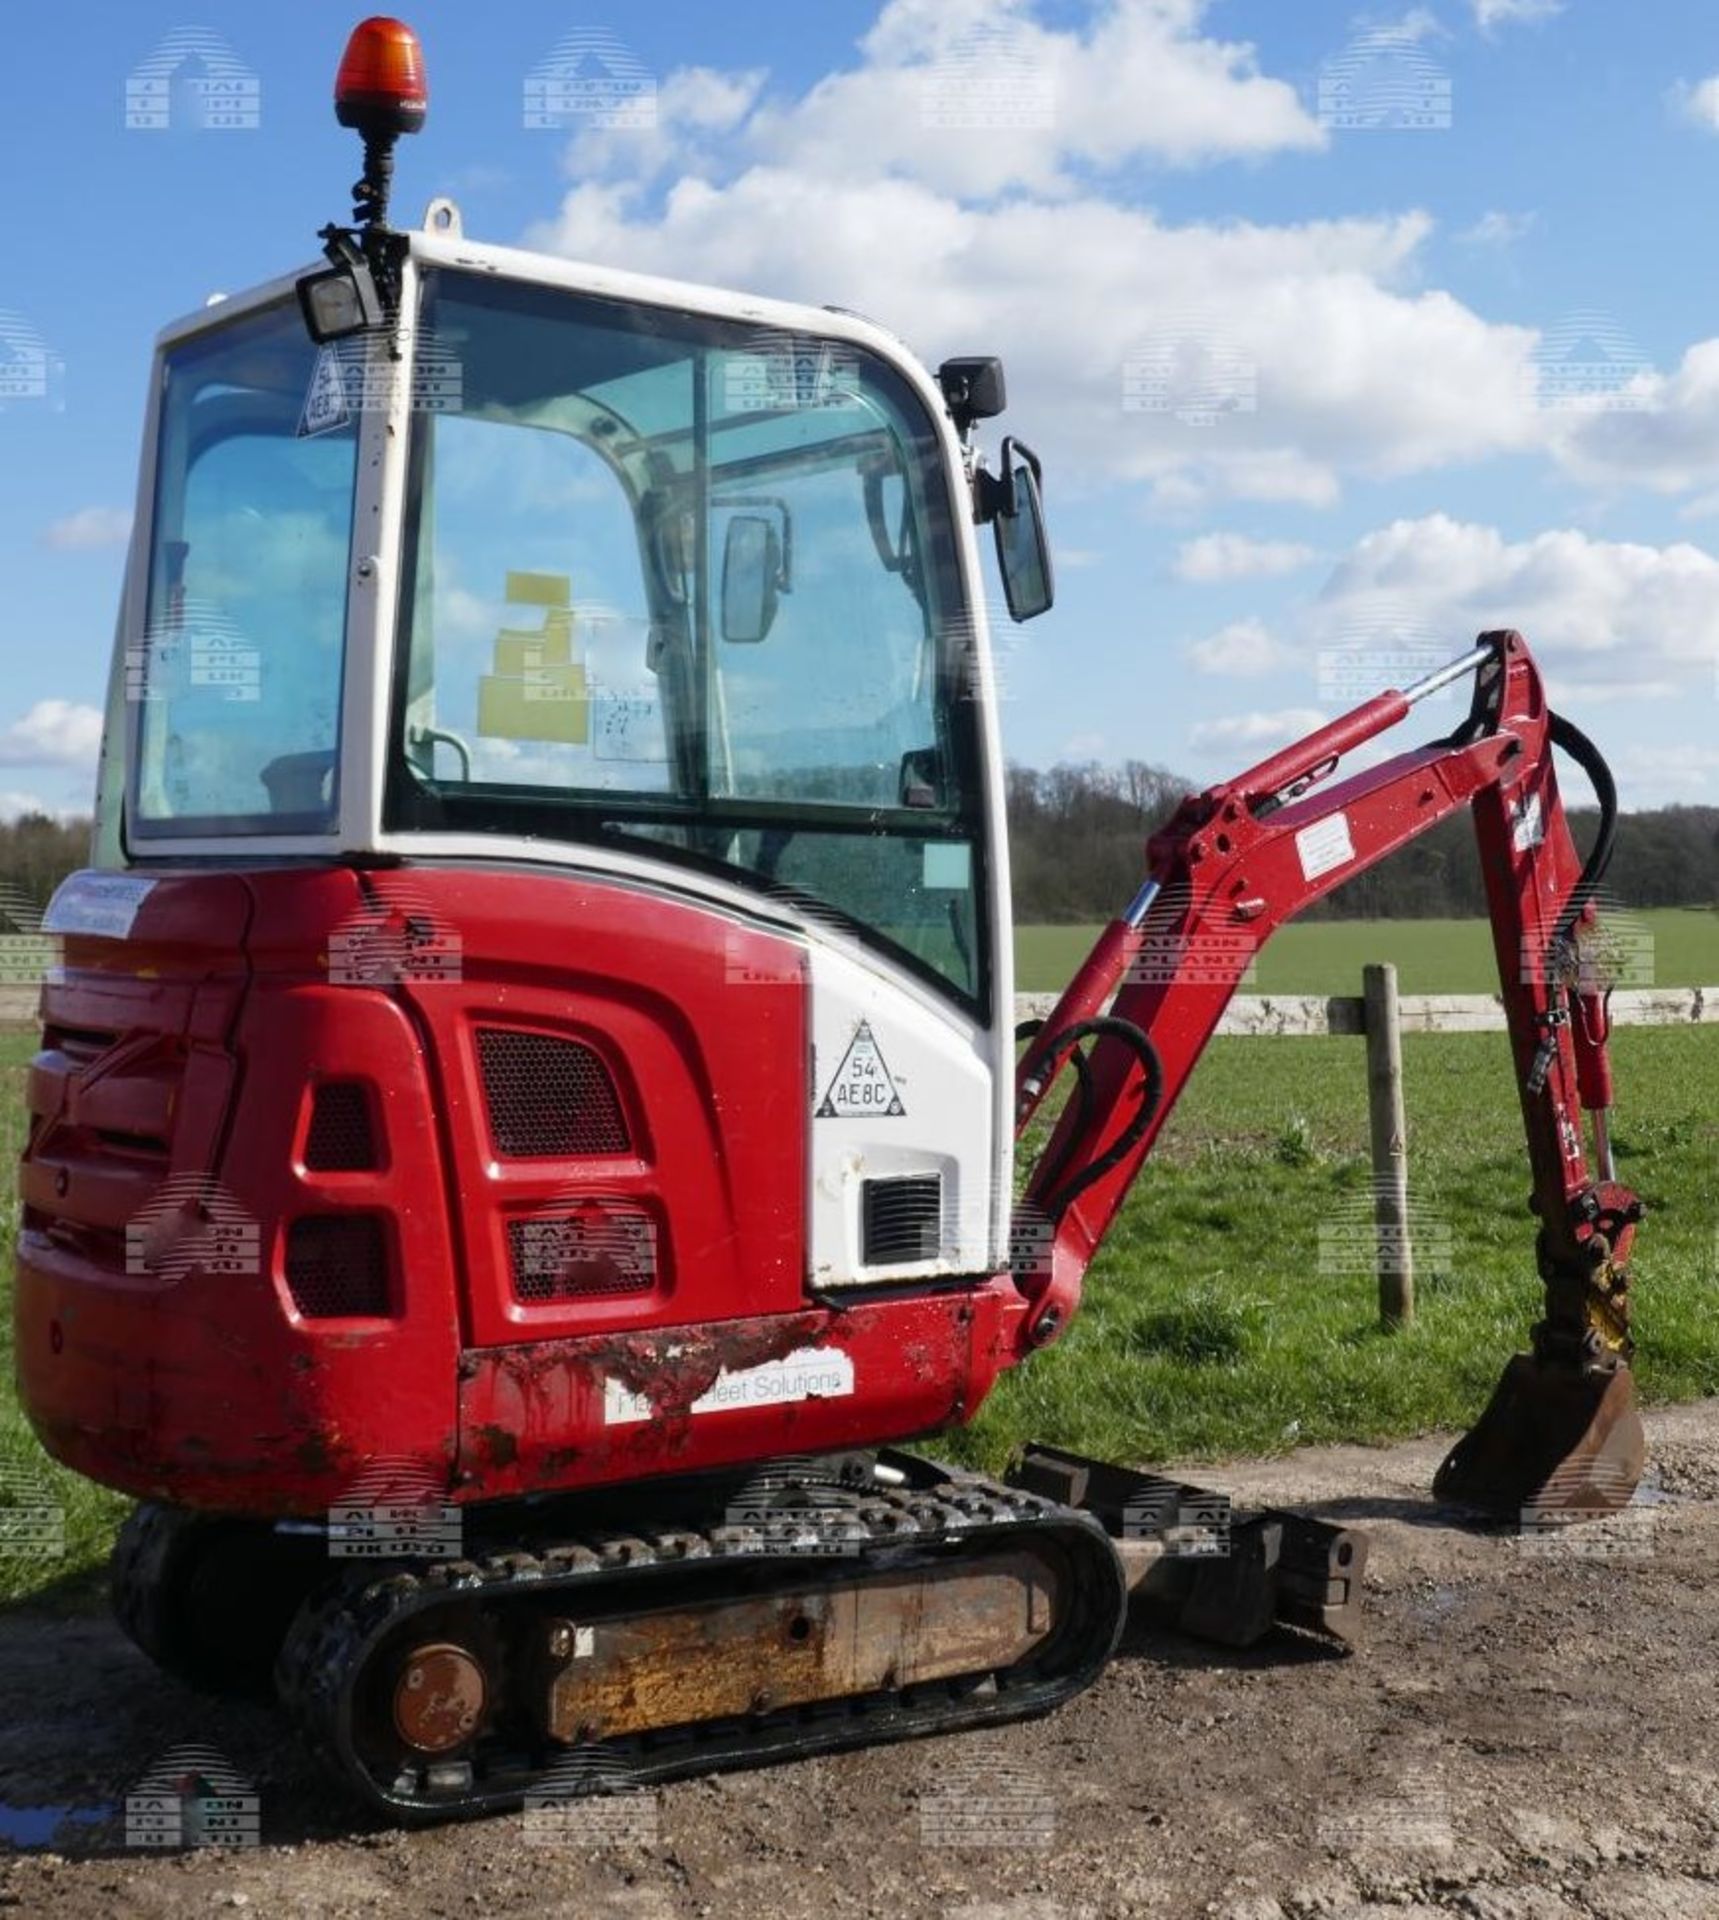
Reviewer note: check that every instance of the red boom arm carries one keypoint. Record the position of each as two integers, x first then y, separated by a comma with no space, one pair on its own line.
1240,859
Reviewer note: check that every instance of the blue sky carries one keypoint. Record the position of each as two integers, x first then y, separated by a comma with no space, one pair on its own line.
1316,399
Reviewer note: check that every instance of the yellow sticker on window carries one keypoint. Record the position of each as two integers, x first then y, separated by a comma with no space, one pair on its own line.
550,703
539,590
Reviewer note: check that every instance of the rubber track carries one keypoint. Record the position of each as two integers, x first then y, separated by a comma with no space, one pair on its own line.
323,1659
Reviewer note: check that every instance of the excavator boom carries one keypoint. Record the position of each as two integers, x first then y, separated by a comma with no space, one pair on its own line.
1235,863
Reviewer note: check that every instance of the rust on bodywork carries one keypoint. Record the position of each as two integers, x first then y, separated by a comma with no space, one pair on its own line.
635,1402
674,1372
501,1445
671,1368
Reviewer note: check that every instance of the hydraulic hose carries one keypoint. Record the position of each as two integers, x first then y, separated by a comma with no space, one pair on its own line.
1056,1200
1571,739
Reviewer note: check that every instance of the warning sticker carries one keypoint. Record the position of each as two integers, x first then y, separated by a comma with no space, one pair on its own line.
325,405
1528,826
1324,845
862,1087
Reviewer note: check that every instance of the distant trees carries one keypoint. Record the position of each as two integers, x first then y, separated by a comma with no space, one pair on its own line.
36,854
1077,851
1078,833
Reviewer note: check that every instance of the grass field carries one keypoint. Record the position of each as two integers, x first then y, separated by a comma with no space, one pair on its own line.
1672,947
1208,1325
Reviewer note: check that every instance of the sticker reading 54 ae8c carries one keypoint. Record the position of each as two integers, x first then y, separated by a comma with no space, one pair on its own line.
862,1088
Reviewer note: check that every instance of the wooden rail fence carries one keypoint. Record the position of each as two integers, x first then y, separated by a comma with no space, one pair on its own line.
1384,1016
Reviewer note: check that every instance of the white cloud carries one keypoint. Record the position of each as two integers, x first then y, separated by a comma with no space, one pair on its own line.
1217,557
1673,771
1598,612
1202,362
13,804
1499,230
52,733
89,527
694,106
1697,104
976,96
1658,430
1311,315
1242,650
1418,24
1489,14
1265,730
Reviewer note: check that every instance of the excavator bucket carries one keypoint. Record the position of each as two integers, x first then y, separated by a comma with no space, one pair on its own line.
1552,1442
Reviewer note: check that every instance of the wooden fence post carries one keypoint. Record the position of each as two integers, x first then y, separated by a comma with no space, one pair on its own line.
1390,1147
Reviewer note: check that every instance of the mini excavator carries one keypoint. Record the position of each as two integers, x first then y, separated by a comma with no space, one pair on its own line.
525,1127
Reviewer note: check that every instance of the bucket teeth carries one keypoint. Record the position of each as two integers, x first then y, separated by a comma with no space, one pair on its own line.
1552,1440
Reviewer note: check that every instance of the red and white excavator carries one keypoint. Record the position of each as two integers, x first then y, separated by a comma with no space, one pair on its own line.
526,1121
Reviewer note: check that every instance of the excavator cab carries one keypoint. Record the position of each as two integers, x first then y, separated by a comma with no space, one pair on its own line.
550,892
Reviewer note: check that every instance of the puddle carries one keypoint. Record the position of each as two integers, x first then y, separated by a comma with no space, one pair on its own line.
37,1826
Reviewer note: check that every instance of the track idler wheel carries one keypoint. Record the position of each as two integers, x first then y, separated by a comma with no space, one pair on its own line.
1554,1440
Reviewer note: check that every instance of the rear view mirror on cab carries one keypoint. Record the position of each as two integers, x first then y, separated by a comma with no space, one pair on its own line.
1023,547
751,578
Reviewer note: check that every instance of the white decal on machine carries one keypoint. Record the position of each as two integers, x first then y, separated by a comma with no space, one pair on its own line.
1324,846
1528,828
808,1373
100,903
325,404
862,1088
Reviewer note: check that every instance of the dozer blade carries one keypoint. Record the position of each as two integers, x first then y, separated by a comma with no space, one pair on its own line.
1552,1441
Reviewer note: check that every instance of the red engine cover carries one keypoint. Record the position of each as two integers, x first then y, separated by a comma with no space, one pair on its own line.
485,1179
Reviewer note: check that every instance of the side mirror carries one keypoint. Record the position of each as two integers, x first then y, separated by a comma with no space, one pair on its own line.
1023,547
751,578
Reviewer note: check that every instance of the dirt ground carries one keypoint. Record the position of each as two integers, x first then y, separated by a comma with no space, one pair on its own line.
1527,1733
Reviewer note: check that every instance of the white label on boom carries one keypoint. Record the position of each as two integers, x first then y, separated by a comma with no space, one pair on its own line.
1324,845
808,1373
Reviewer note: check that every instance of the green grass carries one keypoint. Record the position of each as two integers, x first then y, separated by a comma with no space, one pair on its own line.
1207,1327
1431,956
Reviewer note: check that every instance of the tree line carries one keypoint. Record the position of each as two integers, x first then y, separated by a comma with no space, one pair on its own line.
1077,852
36,854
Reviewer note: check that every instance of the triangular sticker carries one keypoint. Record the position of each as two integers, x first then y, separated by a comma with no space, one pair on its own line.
325,405
862,1088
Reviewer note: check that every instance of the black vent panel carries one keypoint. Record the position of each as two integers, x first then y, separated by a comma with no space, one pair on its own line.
337,1266
901,1220
341,1137
596,1247
549,1099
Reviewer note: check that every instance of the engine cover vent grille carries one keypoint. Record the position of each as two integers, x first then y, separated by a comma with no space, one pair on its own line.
901,1220
341,1138
337,1266
548,1098
595,1247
